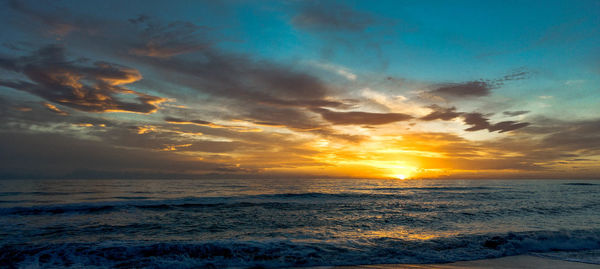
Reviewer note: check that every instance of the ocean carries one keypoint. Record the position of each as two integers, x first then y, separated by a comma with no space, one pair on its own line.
293,222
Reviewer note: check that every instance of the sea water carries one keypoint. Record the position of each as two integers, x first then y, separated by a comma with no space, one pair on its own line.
293,222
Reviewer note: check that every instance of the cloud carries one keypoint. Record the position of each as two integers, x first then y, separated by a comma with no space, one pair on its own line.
339,70
360,118
91,88
168,40
478,88
515,113
440,113
139,19
55,109
171,147
248,86
290,118
143,35
582,137
477,120
228,94
23,108
196,122
330,16
505,126
347,103
212,125
239,77
446,144
253,90
519,74
26,154
8,64
50,24
463,90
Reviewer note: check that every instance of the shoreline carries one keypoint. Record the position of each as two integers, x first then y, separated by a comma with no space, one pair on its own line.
524,261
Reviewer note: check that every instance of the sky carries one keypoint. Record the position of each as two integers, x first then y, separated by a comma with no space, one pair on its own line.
302,89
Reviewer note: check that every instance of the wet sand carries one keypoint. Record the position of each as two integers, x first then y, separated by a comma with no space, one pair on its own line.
521,261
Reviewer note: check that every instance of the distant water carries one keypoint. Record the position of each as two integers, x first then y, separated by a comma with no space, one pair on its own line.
277,223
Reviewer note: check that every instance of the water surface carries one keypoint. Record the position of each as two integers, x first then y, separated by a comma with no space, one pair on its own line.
293,222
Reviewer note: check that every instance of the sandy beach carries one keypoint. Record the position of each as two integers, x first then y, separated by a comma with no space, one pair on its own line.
520,261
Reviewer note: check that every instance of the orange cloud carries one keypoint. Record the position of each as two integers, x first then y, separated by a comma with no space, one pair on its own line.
242,129
55,109
171,147
97,88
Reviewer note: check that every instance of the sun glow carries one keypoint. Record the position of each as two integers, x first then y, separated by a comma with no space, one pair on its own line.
400,176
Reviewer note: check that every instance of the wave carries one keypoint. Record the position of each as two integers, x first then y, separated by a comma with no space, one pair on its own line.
52,210
403,202
282,253
143,202
45,193
585,256
457,188
579,184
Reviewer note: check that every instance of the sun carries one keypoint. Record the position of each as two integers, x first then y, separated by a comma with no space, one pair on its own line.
400,176
398,170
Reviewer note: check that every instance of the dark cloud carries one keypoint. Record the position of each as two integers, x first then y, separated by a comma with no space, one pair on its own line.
8,64
463,90
143,35
181,121
186,57
29,116
582,137
515,113
91,88
292,84
211,124
345,30
441,113
519,74
291,118
249,87
240,78
53,155
46,21
479,88
548,142
309,103
167,40
505,126
330,16
216,146
194,141
360,118
476,120
139,19
253,90
479,122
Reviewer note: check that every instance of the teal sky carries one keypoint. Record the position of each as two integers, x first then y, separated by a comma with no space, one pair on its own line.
300,88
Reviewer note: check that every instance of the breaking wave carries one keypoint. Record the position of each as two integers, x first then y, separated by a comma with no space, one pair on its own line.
281,253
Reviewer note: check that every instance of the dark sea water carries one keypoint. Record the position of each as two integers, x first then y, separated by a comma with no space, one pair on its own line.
285,222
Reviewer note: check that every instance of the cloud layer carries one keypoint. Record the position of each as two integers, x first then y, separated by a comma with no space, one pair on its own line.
93,88
300,89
